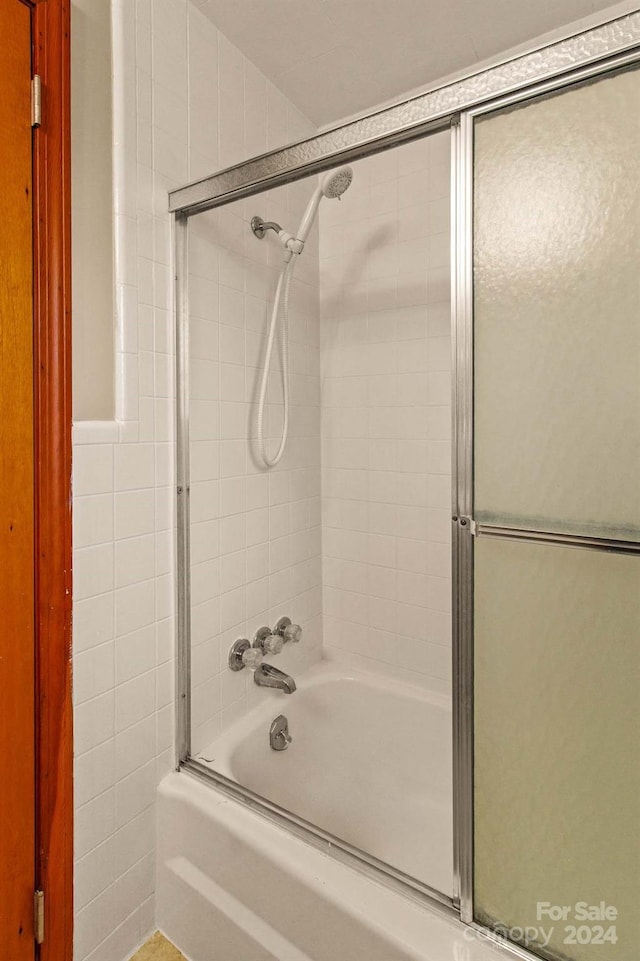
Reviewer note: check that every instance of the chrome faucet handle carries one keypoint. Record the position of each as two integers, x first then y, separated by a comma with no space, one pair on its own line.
290,633
252,658
267,641
279,737
243,655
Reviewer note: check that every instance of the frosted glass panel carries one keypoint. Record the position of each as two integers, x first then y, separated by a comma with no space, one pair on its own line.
557,772
557,312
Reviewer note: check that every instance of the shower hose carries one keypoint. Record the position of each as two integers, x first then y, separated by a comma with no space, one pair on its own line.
282,293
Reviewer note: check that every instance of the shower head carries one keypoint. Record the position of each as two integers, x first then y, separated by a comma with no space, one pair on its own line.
333,185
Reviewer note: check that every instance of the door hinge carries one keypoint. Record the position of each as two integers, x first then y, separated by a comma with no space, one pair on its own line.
38,916
36,101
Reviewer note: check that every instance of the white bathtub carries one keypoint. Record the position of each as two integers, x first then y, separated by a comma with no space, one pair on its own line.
370,763
234,886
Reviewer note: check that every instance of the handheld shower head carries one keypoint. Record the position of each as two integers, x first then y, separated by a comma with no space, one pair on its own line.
333,185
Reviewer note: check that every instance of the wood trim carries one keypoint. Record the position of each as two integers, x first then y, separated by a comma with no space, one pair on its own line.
52,384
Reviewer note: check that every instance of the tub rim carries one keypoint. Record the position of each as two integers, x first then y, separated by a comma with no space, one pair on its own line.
329,843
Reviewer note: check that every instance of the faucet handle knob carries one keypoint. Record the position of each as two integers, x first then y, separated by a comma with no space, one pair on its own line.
243,655
287,631
252,658
267,641
273,644
292,633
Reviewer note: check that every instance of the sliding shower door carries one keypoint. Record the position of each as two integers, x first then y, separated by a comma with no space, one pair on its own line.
556,501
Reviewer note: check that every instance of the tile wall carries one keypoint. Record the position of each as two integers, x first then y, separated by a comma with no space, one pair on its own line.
185,103
386,413
255,533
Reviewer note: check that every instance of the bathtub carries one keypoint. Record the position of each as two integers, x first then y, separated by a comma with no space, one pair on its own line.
369,763
234,886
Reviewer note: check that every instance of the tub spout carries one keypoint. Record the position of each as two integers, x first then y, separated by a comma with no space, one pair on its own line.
266,675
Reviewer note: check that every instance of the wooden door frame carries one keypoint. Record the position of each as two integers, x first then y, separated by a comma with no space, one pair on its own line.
52,388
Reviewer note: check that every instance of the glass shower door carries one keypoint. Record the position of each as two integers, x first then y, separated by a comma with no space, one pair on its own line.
557,507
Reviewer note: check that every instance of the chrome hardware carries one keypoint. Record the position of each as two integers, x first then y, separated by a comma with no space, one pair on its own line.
290,633
243,655
267,641
266,675
289,242
260,227
279,737
272,641
469,524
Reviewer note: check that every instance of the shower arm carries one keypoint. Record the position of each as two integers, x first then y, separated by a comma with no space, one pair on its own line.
260,227
291,243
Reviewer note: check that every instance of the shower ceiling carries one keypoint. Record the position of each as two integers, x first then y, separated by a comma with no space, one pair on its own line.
333,58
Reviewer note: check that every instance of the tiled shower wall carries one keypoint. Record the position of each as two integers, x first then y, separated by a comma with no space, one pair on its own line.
255,534
185,103
386,413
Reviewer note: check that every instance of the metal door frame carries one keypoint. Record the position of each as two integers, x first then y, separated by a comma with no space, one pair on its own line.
465,527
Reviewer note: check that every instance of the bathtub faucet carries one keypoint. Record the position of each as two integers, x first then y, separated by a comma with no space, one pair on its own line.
266,675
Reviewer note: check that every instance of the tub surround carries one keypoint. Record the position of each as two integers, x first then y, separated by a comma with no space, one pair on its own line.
386,413
255,534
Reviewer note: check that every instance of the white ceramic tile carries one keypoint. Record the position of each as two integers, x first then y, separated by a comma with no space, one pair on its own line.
134,794
165,733
93,520
134,747
134,513
165,635
93,572
93,672
93,873
134,700
94,773
93,622
134,466
135,654
232,608
93,923
134,841
93,823
165,677
386,411
165,597
134,560
134,607
93,722
134,887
